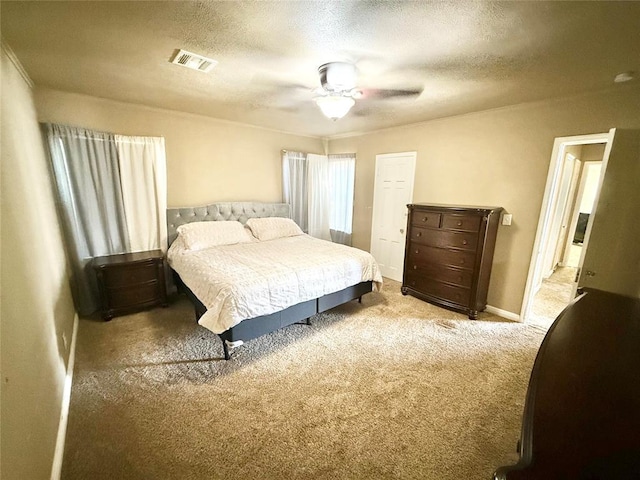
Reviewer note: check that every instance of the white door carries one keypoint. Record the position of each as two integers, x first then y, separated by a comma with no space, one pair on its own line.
610,255
393,190
557,228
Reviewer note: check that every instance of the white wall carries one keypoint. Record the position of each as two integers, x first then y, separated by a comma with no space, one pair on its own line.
37,311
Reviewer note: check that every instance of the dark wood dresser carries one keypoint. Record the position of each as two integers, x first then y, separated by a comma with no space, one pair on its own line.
582,412
449,253
130,282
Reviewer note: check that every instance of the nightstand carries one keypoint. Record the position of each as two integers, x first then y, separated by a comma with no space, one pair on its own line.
130,282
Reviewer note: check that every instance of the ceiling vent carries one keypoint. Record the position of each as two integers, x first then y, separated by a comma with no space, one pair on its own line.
194,61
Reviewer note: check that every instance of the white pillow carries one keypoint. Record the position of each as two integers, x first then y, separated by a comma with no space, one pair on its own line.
269,228
201,235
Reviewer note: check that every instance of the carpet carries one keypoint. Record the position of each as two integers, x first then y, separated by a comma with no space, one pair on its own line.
393,388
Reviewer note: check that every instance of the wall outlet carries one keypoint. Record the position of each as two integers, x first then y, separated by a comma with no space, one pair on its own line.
506,218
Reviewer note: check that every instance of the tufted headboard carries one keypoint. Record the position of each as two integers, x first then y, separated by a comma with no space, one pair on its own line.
241,211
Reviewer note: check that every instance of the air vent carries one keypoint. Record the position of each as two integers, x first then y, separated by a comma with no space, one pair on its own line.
193,61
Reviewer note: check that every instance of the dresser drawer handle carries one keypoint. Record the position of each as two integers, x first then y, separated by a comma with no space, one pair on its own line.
462,261
419,234
464,242
417,251
425,219
459,223
415,267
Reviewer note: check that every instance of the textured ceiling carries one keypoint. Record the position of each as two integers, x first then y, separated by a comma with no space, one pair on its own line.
467,56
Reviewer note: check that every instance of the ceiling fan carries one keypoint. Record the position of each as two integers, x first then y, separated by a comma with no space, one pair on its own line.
339,92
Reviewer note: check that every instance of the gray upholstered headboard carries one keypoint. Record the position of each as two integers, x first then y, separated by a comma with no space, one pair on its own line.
241,211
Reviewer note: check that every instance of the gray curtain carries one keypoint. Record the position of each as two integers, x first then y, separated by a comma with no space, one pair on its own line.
86,173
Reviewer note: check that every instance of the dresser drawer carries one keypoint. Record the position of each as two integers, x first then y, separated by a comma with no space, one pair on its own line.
458,258
467,223
426,219
132,274
456,276
131,296
444,238
450,293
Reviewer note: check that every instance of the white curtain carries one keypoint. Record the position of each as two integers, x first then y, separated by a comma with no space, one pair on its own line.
318,186
294,186
320,191
342,170
143,178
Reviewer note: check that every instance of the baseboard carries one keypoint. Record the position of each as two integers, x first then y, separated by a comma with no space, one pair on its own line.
56,468
503,313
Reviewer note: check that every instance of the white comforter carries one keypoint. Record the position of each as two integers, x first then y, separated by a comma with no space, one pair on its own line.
247,280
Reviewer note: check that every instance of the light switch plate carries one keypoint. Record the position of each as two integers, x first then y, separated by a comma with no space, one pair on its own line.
506,219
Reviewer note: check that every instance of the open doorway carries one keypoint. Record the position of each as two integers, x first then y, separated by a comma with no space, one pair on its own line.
564,244
572,188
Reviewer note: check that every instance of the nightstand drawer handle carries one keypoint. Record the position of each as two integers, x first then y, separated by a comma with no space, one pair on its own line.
417,251
425,219
415,267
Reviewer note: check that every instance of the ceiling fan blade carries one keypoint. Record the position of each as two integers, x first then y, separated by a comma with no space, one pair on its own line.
390,93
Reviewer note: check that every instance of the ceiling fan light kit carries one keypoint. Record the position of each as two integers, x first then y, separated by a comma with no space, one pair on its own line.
335,106
339,91
338,80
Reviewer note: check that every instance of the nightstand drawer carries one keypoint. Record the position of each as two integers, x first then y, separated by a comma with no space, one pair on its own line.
131,274
129,282
133,296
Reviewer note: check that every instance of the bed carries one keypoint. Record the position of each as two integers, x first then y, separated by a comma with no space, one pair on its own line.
252,270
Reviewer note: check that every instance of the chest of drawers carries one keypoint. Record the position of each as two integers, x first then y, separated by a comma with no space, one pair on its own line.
448,255
130,282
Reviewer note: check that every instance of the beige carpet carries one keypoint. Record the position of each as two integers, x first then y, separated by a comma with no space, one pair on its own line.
553,297
392,388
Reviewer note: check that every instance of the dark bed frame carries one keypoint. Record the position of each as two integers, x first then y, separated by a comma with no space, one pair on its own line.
255,327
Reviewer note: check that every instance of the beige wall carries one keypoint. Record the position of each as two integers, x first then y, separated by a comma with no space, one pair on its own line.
207,160
36,309
497,157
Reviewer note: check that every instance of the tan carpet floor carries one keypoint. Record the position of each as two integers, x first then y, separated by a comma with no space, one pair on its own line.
394,388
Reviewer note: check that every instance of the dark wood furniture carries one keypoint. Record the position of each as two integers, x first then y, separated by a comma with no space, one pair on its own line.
449,253
130,282
582,413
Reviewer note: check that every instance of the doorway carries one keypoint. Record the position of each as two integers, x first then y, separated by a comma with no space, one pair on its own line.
575,175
